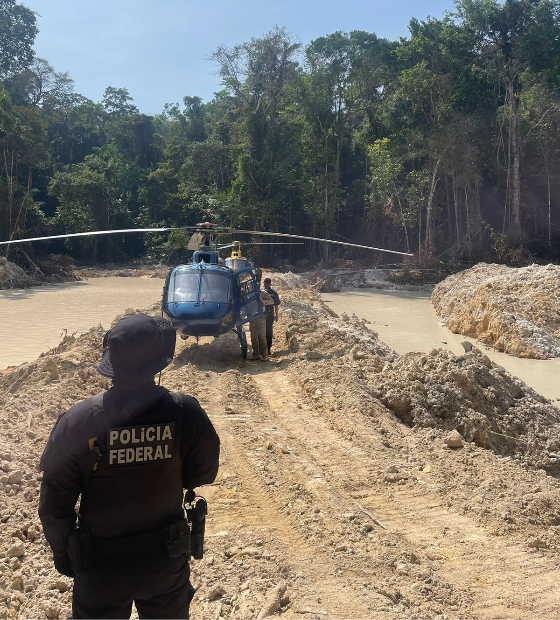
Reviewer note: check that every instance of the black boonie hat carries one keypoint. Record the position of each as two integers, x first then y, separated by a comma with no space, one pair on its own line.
137,347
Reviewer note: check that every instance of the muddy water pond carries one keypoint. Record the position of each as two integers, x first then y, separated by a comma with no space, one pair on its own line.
406,321
35,320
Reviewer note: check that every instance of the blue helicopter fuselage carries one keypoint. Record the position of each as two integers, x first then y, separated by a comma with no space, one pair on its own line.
209,299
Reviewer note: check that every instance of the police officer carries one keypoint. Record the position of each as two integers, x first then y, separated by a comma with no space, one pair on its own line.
129,452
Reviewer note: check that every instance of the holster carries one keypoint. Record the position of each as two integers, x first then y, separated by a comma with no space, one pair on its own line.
178,539
80,550
196,515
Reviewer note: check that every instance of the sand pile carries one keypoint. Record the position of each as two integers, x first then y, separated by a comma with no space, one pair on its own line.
479,400
317,332
31,398
12,276
512,310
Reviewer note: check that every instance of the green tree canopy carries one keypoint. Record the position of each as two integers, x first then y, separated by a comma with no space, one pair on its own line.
18,30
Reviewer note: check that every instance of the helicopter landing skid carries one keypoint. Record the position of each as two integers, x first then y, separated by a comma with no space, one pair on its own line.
186,337
242,340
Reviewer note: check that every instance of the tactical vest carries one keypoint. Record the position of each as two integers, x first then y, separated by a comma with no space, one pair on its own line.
135,472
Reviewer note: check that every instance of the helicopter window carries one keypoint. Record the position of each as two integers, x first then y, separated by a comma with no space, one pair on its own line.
214,286
183,286
246,286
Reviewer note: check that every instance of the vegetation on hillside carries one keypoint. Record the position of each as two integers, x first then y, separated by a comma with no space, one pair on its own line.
444,144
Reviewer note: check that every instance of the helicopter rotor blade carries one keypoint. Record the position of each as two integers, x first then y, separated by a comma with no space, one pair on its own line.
86,234
272,243
203,231
352,245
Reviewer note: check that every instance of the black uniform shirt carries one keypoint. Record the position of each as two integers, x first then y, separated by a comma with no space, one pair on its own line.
270,309
151,448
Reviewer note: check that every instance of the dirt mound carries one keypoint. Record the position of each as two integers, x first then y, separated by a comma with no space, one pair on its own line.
512,310
478,399
12,276
316,332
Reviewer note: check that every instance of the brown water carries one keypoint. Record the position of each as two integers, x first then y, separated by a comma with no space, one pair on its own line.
35,320
406,321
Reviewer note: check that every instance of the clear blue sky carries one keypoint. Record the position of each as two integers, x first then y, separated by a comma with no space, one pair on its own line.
158,50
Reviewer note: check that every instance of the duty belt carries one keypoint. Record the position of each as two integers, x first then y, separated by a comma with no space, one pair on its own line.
128,545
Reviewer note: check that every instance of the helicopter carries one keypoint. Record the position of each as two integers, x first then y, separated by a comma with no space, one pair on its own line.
209,296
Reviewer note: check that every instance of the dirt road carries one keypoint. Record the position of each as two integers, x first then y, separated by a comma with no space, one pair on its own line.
328,504
304,496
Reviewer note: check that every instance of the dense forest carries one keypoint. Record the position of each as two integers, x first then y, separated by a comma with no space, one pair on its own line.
444,144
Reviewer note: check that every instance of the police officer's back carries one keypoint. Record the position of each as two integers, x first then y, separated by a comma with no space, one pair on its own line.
129,452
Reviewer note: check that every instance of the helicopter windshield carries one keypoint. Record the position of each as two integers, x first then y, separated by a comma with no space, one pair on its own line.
214,286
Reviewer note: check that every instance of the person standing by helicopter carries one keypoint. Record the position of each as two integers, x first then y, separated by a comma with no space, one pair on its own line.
257,329
129,452
271,312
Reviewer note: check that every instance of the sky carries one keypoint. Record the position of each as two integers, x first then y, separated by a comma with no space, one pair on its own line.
159,50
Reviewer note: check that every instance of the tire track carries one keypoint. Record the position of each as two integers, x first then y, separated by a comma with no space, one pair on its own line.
310,475
244,503
501,578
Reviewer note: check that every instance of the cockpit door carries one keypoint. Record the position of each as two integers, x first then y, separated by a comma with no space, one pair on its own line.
247,304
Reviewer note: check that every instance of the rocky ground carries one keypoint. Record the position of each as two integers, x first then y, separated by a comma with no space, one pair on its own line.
512,310
354,483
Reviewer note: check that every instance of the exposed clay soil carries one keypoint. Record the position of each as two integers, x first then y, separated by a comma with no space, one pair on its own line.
512,310
354,483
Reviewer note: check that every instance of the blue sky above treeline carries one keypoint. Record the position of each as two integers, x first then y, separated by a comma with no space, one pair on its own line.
159,50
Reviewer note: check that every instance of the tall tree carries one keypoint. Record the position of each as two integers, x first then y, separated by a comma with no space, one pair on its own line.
23,147
38,83
259,74
18,30
346,72
515,37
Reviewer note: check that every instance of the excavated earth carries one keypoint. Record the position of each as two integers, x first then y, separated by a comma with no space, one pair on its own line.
12,276
512,310
354,482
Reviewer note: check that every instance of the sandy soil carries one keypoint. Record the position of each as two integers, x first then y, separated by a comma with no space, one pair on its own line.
512,310
354,483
